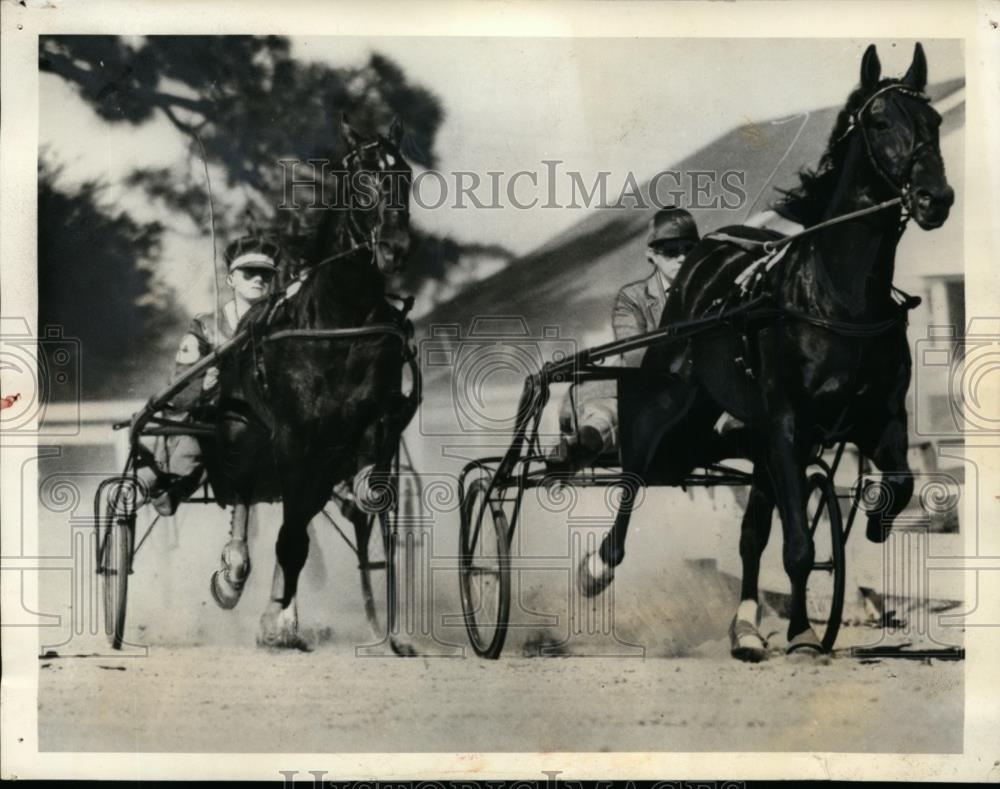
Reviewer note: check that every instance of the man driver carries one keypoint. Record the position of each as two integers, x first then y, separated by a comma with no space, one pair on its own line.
638,307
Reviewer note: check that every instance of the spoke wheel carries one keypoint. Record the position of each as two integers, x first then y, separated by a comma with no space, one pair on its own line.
115,565
484,570
825,590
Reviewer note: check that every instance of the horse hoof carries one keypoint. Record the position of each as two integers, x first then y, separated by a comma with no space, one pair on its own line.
806,647
236,562
745,642
225,594
290,642
749,654
593,576
228,581
402,648
812,657
279,628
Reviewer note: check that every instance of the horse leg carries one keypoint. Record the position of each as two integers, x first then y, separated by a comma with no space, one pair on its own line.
240,444
785,466
597,568
228,581
889,456
745,640
300,502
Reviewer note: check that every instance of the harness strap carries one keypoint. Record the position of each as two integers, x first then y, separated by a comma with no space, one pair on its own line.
768,247
749,244
339,334
845,328
771,246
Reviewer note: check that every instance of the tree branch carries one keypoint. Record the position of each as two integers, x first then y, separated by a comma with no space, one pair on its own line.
94,83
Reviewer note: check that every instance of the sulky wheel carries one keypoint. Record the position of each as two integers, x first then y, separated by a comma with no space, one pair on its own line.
825,594
364,525
484,569
115,559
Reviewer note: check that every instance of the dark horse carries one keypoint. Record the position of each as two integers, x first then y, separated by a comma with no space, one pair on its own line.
831,362
301,412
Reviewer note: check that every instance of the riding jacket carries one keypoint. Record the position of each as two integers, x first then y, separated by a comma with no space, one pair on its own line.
638,308
199,341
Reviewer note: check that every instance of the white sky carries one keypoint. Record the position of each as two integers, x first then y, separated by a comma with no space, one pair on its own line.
597,104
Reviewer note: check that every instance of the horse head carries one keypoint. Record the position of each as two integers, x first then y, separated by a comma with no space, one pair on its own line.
378,195
899,130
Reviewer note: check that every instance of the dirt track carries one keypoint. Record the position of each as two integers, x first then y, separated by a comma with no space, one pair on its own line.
245,699
668,685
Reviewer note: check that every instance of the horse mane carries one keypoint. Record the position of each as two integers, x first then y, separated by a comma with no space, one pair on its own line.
806,202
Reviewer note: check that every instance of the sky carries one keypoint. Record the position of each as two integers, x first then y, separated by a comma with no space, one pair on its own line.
620,105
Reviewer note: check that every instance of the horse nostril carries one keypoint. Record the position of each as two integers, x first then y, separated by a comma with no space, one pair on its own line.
942,198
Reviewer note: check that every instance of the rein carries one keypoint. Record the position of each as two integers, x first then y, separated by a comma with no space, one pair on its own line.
855,123
770,247
339,334
357,247
755,310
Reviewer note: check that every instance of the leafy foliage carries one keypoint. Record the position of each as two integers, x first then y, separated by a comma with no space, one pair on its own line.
96,280
248,102
243,104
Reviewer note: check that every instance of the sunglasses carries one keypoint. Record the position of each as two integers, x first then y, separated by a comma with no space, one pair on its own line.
251,273
671,249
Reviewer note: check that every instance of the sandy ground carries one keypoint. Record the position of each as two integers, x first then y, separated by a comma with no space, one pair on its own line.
644,667
190,699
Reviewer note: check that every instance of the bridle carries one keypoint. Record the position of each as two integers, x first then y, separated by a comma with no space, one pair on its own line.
856,122
358,237
902,191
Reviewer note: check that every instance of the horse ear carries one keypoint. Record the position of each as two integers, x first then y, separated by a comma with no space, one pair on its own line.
349,135
396,131
916,77
871,68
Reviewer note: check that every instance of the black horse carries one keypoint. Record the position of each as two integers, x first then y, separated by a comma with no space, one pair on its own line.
831,362
301,412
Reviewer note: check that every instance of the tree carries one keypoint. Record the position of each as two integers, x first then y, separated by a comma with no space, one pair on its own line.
245,103
96,280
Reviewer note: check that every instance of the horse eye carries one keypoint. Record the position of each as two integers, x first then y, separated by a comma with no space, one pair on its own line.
881,123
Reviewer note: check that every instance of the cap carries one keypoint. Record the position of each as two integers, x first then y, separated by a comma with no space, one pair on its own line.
669,224
252,252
